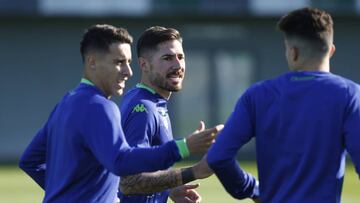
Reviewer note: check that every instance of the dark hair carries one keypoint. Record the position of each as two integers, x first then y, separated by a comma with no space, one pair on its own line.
154,36
311,24
100,37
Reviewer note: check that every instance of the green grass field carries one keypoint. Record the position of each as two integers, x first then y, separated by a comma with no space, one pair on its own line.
17,187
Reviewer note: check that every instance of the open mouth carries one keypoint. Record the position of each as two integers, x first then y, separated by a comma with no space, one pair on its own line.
121,84
175,76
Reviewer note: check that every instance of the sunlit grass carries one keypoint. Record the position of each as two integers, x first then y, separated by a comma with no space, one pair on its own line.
17,187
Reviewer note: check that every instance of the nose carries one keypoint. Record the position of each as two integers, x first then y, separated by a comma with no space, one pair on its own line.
178,63
127,71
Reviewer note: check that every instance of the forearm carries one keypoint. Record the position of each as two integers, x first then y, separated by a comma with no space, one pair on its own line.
137,160
157,181
151,182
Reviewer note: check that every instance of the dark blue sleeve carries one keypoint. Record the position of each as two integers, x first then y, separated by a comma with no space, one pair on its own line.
107,142
33,160
221,156
139,127
352,126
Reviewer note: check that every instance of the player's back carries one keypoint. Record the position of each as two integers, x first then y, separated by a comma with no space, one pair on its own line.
73,174
299,121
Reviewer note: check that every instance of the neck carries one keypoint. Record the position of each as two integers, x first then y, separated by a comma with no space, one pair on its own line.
322,66
164,93
96,83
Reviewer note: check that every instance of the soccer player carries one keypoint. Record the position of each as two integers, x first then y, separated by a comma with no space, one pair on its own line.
81,150
145,115
303,121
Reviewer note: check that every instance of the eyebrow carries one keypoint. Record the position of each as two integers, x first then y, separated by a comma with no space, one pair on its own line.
171,55
121,59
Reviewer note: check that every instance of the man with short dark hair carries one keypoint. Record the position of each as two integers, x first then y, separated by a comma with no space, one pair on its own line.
304,121
81,151
146,121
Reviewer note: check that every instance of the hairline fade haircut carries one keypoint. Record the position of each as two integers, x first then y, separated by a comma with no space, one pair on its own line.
311,25
99,37
153,36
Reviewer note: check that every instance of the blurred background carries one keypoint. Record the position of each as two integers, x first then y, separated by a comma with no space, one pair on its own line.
229,45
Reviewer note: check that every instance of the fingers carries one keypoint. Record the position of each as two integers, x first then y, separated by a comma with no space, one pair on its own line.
188,200
193,195
216,129
201,126
208,135
191,186
198,199
202,139
219,127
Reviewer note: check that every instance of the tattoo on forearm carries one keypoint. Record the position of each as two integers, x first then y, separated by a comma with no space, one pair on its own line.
145,183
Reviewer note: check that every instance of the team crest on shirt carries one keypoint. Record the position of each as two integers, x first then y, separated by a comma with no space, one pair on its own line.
164,117
165,123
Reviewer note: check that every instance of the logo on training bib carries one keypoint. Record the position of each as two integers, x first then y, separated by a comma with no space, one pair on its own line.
302,78
139,108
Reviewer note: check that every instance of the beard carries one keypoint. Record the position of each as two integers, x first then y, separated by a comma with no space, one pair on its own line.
165,83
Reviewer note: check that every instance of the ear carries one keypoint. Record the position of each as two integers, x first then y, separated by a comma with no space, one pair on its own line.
332,50
90,61
144,64
294,53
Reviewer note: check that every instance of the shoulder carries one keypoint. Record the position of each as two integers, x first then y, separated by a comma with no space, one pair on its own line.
138,111
90,97
266,84
353,89
137,101
137,108
100,105
349,83
259,92
259,87
344,85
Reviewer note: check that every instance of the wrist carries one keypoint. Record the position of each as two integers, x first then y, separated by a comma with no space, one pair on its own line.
187,175
183,148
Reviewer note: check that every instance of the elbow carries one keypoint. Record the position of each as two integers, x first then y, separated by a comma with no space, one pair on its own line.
27,164
217,161
237,194
119,168
121,171
125,171
22,164
123,165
